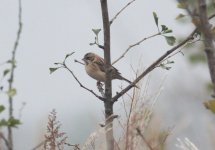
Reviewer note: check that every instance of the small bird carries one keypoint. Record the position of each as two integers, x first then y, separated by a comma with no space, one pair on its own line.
95,68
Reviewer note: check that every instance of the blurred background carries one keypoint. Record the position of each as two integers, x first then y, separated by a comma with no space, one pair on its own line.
52,29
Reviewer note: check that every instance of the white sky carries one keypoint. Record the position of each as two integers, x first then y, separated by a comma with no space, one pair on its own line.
53,28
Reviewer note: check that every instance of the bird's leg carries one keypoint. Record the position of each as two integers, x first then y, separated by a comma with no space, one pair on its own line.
100,87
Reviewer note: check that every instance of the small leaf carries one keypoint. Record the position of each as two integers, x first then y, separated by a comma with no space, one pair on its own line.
182,5
92,44
170,40
96,31
213,30
168,68
209,86
6,72
170,62
210,105
52,70
13,122
180,16
197,58
164,28
57,63
155,18
68,55
3,122
11,92
11,62
2,108
168,31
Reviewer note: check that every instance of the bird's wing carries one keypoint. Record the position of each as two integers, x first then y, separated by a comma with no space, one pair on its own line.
100,62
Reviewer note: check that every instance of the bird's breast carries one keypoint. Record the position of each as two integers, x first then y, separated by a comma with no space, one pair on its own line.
94,72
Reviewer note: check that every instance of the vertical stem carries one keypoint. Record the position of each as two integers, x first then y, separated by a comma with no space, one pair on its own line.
11,79
208,40
108,85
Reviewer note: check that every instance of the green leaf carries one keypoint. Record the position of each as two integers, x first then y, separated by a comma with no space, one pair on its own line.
170,62
164,28
209,86
180,16
2,108
13,122
168,31
182,5
12,92
197,58
6,72
170,40
58,63
52,70
68,55
92,44
3,122
13,62
155,18
210,104
96,31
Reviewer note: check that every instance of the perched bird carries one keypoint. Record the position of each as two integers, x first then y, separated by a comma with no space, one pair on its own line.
95,68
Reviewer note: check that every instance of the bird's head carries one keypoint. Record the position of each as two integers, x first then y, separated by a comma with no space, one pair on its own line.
89,57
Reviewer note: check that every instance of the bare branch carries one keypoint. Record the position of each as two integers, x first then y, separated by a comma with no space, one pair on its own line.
114,18
4,139
39,145
129,117
144,139
78,62
76,146
108,73
205,27
133,45
81,85
153,66
13,66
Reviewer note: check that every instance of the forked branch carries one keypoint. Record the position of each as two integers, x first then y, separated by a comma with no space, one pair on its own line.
133,45
153,66
81,85
114,18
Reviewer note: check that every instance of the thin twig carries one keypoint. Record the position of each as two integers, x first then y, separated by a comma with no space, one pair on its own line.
4,139
39,145
78,62
21,109
128,119
133,45
121,10
76,146
13,66
81,85
144,139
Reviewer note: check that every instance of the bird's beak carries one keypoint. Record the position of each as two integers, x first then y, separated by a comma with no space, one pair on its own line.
84,59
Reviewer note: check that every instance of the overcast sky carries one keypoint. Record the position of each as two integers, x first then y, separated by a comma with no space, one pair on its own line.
53,28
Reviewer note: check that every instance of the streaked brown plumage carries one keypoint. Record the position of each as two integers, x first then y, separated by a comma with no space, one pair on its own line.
95,68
